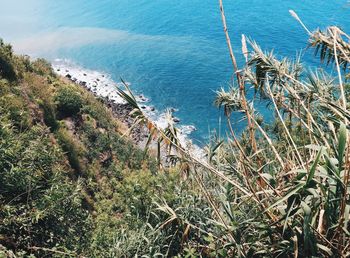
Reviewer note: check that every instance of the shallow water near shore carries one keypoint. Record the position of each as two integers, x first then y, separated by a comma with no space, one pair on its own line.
173,52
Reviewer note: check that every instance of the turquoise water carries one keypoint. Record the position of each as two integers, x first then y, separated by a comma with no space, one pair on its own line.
172,51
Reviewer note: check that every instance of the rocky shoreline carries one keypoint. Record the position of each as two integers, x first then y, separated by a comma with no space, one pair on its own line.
104,88
121,111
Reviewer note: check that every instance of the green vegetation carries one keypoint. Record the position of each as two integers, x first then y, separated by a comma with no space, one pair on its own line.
281,189
68,101
71,185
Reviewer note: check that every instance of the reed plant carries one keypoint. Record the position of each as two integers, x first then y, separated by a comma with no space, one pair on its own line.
280,188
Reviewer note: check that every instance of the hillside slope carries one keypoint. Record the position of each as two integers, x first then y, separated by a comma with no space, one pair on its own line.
70,184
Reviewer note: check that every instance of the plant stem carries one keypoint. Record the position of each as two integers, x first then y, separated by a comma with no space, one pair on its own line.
239,78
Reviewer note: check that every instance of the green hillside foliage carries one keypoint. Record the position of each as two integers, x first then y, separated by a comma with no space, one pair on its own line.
70,184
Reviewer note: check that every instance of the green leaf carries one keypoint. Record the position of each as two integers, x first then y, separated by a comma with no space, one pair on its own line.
333,170
341,144
289,210
313,168
289,194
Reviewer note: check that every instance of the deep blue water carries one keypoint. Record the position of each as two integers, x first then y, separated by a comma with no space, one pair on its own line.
172,51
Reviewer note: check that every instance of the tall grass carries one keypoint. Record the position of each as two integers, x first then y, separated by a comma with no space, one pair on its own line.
280,189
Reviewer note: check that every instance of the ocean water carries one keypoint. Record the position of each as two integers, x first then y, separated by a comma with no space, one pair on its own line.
174,52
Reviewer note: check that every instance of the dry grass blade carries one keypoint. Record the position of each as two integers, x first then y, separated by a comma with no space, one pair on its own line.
294,14
325,43
285,127
245,48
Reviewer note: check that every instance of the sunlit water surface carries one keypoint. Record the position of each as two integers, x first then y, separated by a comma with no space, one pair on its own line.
174,52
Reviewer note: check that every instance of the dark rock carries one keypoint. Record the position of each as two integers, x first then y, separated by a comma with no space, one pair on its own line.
69,76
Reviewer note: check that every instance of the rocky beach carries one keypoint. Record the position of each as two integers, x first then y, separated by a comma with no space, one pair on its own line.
103,87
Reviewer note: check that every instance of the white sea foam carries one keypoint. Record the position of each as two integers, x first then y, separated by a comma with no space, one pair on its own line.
102,85
99,83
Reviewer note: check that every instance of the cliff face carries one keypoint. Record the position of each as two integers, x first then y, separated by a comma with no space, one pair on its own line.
70,184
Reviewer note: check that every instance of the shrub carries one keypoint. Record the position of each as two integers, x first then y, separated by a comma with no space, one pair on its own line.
16,110
98,111
7,70
42,67
69,101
